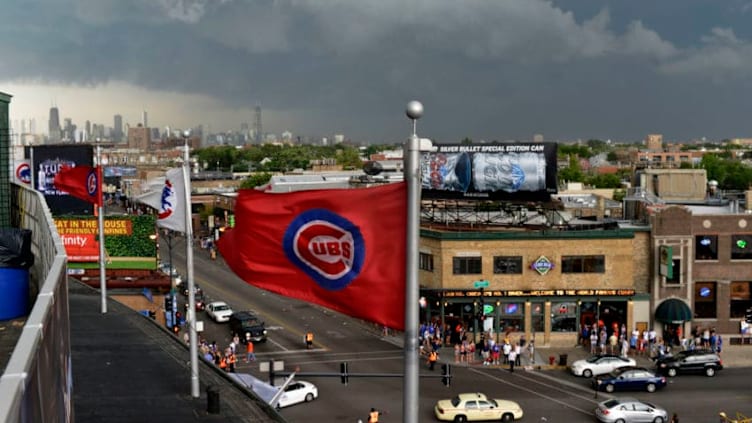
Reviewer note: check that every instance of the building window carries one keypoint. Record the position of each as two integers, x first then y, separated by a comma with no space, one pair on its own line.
705,300
706,247
741,247
564,317
426,262
507,265
583,264
676,274
740,298
466,265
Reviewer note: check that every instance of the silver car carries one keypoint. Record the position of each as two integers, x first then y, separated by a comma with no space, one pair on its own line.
628,410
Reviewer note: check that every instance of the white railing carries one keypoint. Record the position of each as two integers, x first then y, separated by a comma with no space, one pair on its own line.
36,385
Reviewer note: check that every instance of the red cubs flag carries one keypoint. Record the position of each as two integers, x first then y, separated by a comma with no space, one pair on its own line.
82,182
343,249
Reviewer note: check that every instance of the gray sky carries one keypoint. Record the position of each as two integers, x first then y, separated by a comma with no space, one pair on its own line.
484,69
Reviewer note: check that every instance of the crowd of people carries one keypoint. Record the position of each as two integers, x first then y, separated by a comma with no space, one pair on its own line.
615,340
226,358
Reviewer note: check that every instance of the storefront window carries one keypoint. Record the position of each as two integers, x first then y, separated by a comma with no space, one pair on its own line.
512,317
564,316
538,324
705,300
740,298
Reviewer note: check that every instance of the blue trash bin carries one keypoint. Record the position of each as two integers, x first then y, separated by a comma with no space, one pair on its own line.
14,285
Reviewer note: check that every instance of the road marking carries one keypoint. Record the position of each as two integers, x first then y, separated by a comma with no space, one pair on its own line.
275,328
522,388
277,344
349,360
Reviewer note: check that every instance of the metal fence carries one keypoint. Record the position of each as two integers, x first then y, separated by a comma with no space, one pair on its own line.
37,385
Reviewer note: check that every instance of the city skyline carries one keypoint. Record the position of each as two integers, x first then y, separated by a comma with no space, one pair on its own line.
487,70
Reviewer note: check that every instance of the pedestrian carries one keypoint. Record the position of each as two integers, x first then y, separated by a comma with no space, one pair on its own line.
674,418
373,416
593,342
512,360
232,359
531,351
309,339
249,354
518,353
433,357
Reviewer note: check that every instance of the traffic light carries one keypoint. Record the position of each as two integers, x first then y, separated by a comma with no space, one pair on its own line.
343,372
446,374
748,315
168,303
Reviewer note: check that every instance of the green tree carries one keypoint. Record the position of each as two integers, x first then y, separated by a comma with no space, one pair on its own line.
349,158
572,173
466,141
256,180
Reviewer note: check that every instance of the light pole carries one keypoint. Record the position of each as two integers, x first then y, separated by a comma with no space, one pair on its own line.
414,111
191,315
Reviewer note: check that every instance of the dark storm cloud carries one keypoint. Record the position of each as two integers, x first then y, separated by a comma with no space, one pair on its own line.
488,70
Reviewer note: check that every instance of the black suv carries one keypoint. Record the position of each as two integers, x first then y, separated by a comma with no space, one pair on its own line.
702,361
248,326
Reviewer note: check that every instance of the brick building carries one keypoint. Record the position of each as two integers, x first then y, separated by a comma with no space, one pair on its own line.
545,284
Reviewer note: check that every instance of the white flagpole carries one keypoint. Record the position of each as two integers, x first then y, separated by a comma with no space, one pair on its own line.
189,264
412,178
100,221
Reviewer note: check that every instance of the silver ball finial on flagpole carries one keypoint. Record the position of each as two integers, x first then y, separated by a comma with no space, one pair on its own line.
414,110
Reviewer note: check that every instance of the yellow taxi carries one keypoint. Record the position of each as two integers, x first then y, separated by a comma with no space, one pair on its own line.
475,407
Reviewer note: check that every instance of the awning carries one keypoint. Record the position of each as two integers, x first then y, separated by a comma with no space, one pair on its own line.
673,311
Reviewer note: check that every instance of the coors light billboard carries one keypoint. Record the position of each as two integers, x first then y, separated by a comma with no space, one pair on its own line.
510,171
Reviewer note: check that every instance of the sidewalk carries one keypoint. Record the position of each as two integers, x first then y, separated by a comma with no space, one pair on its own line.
731,356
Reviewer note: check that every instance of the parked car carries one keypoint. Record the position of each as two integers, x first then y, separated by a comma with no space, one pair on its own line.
629,379
297,392
707,363
475,407
681,355
248,326
600,364
628,410
219,311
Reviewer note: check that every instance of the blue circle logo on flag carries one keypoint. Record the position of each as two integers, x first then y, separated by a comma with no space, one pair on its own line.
91,183
168,196
23,173
326,246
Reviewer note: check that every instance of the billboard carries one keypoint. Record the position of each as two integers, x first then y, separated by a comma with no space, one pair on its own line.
46,162
509,171
128,240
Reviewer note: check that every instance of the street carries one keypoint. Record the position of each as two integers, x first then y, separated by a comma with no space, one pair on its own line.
547,395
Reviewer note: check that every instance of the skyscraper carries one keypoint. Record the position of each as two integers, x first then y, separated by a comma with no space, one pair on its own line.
258,133
55,132
117,130
145,120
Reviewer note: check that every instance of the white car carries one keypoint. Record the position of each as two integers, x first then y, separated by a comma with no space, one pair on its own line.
219,311
600,364
297,392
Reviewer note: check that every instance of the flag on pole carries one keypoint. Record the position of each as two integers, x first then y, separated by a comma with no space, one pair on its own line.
83,182
168,198
343,249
